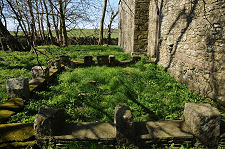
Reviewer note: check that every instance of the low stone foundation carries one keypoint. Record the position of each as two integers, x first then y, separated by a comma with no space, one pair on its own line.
141,134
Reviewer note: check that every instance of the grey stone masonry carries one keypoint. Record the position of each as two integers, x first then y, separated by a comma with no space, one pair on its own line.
40,72
55,63
103,59
64,59
112,60
136,59
88,60
133,25
18,88
124,125
48,122
204,122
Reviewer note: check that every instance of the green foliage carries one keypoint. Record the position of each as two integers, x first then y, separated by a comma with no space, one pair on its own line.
83,33
91,94
19,64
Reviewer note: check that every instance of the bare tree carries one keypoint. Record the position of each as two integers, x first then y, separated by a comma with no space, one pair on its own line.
100,42
112,17
33,28
62,22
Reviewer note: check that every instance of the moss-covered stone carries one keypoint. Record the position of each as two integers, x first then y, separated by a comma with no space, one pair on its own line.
14,104
16,132
5,114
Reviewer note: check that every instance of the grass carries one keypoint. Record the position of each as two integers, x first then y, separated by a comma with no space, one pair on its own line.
91,94
83,33
19,64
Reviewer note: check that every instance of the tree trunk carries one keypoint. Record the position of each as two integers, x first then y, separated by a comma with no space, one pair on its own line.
41,21
110,26
54,21
63,23
33,28
9,40
40,37
48,23
100,42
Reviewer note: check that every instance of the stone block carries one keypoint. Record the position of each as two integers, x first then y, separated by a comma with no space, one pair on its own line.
135,59
88,60
64,59
18,88
55,63
103,59
112,60
49,122
204,122
124,125
40,72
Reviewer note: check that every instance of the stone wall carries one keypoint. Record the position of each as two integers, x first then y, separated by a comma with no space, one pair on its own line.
187,38
190,43
133,25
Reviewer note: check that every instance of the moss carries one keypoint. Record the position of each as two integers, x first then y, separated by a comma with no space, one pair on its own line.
5,114
32,87
18,144
14,104
16,132
52,71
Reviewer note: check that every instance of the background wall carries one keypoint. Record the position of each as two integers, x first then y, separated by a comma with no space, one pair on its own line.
187,38
133,25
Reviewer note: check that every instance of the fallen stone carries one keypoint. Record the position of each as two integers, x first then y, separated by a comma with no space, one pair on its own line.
103,60
203,121
88,60
56,64
64,59
49,122
124,125
18,88
40,72
135,59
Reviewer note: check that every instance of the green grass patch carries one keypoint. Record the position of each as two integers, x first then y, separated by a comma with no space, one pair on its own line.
19,64
82,33
91,94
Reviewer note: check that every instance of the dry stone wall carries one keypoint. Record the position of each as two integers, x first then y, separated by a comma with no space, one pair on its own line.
187,38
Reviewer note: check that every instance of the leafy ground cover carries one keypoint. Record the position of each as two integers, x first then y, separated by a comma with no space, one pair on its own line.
91,94
19,64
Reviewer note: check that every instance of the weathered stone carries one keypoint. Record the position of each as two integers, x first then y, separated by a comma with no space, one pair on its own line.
18,88
55,63
204,122
103,59
40,72
124,125
173,30
112,60
136,59
88,60
48,122
64,59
